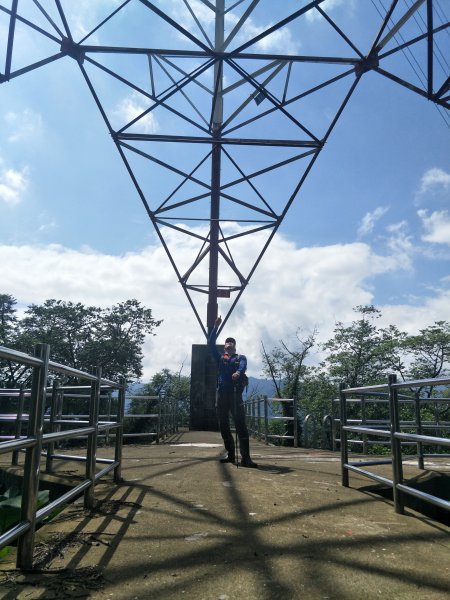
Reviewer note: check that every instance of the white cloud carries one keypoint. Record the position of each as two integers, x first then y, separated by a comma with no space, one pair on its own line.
280,40
24,126
369,220
84,15
13,185
400,245
130,108
436,225
433,180
292,287
329,6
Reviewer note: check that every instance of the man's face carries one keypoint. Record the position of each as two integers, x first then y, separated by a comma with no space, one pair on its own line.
230,347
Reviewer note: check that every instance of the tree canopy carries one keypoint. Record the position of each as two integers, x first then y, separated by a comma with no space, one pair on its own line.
79,336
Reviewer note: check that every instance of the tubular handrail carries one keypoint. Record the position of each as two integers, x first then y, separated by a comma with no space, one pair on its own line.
394,431
254,418
33,442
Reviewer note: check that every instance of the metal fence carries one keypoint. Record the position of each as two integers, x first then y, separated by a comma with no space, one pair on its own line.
393,431
35,440
163,422
262,414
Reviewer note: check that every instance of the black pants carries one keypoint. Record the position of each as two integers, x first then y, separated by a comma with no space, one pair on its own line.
228,403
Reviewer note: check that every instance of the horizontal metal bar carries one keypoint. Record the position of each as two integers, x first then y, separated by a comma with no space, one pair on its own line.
62,500
70,433
147,137
13,533
422,383
73,457
424,496
131,415
280,399
21,357
379,478
32,361
425,439
373,388
368,463
106,470
110,425
130,435
17,444
367,430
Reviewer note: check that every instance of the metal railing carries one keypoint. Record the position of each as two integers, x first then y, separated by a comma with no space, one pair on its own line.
35,440
393,431
164,420
259,418
311,433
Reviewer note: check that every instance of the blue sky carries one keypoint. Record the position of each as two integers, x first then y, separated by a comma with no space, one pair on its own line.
371,223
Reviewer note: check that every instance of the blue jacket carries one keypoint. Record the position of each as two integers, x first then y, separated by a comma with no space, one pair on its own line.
227,365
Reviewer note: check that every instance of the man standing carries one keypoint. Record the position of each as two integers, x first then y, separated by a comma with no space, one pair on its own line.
230,384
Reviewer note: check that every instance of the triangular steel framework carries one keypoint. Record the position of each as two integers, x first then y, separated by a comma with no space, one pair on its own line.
235,116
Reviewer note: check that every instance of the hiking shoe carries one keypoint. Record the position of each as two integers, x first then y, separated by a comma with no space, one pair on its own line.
228,459
247,462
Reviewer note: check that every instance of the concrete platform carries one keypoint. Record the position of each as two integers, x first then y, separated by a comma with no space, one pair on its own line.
182,525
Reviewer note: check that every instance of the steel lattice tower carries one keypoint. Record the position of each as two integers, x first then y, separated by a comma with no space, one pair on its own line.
238,127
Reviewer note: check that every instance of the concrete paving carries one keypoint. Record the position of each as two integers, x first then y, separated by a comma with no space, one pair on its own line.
182,525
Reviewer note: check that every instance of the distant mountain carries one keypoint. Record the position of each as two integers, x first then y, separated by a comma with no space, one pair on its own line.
264,387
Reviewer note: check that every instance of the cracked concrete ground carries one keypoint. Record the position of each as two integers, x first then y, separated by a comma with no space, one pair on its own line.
182,525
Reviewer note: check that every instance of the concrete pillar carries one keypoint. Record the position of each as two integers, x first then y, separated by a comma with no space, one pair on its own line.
203,389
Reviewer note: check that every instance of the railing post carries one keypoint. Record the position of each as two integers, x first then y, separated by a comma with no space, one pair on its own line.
364,422
259,416
158,421
343,435
333,426
266,420
294,410
91,454
420,461
18,428
51,445
253,416
25,545
108,416
396,448
119,431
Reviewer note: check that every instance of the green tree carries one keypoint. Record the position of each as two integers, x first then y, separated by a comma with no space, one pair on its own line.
286,367
355,353
173,389
10,372
430,351
85,336
8,319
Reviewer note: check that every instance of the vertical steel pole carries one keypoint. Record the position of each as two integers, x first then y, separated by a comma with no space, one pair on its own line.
119,431
25,545
418,415
51,445
212,308
266,420
259,416
295,409
18,427
396,448
91,454
343,435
